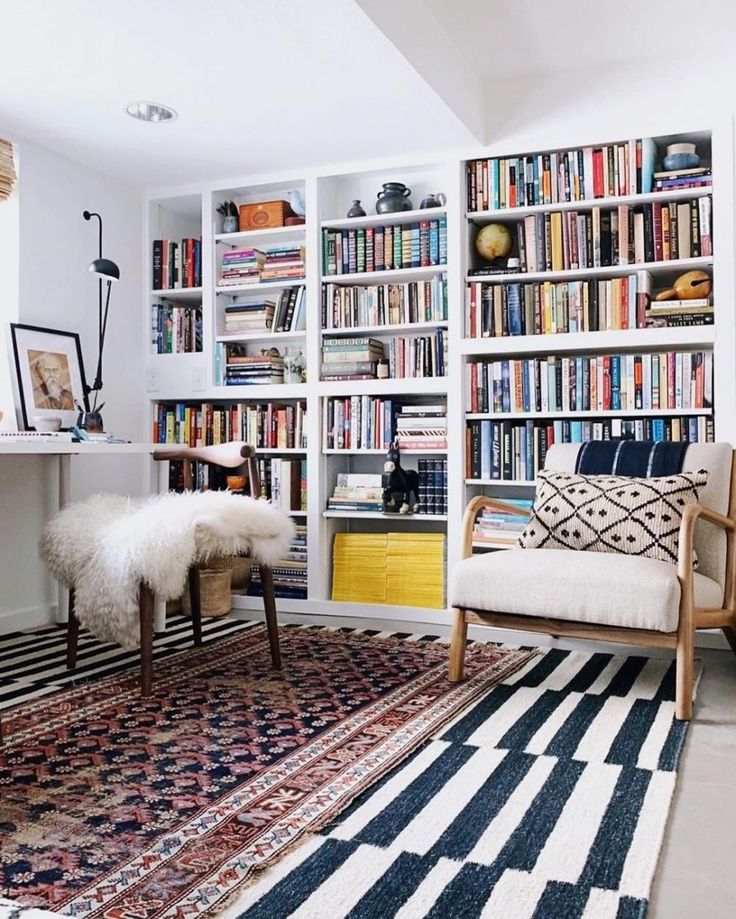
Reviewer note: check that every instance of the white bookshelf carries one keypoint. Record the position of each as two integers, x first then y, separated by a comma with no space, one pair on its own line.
328,193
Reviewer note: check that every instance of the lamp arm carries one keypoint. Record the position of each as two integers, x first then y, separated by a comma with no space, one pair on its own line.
97,385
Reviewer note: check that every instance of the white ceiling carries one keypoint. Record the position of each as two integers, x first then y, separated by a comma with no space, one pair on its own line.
269,85
511,38
258,84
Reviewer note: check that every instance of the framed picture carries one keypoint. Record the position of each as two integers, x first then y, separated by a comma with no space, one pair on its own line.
49,374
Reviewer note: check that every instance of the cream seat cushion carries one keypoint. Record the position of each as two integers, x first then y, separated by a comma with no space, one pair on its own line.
617,590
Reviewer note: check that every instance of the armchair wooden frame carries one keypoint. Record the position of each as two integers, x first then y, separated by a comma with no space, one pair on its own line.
235,455
691,618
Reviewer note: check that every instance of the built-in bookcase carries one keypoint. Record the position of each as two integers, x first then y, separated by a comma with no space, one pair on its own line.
568,338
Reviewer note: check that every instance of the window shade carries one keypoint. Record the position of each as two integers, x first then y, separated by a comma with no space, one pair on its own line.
7,169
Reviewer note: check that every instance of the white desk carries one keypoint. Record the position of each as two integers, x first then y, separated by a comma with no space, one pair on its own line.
63,451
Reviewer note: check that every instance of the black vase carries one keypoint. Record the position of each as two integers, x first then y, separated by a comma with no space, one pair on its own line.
393,198
356,210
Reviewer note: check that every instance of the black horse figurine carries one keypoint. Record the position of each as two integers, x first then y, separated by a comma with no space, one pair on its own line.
399,484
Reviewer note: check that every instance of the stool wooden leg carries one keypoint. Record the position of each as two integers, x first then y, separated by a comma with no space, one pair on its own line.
72,633
147,604
269,604
195,600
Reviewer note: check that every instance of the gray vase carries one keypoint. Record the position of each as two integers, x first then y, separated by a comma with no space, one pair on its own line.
356,210
393,198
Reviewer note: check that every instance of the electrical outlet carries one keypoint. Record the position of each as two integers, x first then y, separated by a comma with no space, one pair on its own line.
153,380
199,379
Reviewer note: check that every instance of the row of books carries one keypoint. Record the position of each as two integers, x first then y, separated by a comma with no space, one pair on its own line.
372,423
344,307
284,482
651,232
625,168
432,475
266,425
175,329
176,264
609,382
289,573
412,356
378,248
403,569
287,314
493,526
251,266
516,451
547,307
405,356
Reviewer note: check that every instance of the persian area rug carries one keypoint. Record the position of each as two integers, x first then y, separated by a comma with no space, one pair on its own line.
116,806
547,799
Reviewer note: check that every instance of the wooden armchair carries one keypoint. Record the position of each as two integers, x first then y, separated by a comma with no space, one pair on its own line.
235,455
610,597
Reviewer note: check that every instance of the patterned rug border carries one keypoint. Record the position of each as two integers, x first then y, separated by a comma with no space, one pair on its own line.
320,805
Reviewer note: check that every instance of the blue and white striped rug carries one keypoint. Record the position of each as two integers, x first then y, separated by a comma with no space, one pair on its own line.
546,800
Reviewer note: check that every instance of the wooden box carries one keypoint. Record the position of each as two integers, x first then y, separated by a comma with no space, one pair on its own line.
264,215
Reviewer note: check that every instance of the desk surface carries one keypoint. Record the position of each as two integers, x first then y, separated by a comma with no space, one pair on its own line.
11,447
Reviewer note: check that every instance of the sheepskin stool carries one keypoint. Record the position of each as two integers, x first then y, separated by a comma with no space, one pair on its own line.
117,554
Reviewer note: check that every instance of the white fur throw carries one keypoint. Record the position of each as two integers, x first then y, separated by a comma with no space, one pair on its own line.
104,546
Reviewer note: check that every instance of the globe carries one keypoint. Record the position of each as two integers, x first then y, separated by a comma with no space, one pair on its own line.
493,241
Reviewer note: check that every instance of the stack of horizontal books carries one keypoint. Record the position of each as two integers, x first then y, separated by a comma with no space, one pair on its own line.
357,492
289,573
422,427
249,316
663,313
415,569
359,567
283,263
351,358
495,527
244,370
697,177
241,266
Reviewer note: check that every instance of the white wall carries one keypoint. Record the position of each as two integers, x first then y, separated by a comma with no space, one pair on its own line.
55,246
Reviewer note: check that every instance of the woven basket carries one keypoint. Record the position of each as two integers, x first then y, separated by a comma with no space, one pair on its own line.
215,587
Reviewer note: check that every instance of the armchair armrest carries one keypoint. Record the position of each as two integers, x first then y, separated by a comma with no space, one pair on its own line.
690,516
475,505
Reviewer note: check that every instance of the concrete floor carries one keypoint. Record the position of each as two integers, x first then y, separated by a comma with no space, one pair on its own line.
696,875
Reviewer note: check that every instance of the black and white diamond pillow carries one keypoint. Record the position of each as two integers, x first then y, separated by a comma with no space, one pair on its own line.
608,513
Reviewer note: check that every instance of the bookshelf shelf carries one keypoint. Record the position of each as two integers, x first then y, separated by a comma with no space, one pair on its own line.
377,515
382,452
394,329
180,293
612,339
259,288
270,236
671,266
509,213
396,275
384,220
390,387
261,336
502,483
270,392
635,413
280,451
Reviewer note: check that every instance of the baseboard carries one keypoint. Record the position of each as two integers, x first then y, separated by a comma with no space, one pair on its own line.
438,622
16,620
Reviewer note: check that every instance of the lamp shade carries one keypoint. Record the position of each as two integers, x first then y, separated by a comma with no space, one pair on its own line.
105,269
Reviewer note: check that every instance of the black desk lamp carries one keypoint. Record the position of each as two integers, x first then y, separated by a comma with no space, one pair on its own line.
106,270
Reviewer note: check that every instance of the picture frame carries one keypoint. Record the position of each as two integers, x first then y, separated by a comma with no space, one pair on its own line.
49,375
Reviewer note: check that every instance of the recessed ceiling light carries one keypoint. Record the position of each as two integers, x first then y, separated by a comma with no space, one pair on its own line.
151,111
